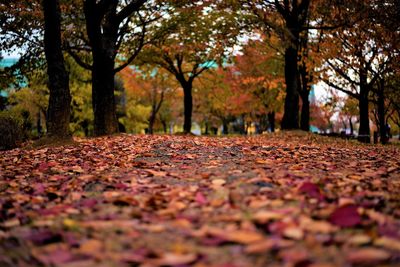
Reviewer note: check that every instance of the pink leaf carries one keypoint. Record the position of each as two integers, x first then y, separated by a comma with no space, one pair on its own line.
200,198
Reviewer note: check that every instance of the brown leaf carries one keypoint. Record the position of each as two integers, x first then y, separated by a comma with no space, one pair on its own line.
367,255
388,243
237,236
265,216
91,247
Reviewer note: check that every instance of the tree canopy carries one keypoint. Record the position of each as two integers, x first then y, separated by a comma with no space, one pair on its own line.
239,64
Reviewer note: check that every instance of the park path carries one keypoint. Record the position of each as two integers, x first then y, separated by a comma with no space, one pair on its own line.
286,199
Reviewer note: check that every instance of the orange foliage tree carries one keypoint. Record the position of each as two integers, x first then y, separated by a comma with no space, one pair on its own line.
153,87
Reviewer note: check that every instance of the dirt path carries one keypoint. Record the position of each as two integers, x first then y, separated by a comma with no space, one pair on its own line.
275,200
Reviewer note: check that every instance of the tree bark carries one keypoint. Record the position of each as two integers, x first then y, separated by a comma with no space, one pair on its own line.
58,113
364,131
152,119
104,107
271,120
381,114
305,111
351,126
291,110
102,33
164,124
225,129
188,107
206,132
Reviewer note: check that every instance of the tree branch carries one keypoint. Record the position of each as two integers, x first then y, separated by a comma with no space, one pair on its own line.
342,73
79,60
350,93
129,9
136,53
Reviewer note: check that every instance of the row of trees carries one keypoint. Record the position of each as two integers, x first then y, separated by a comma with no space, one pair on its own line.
351,46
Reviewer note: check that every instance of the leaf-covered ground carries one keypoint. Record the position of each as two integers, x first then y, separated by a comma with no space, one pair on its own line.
274,200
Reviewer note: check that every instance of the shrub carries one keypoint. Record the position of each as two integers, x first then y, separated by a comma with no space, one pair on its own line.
10,131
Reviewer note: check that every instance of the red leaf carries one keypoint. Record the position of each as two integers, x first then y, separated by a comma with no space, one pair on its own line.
312,190
345,216
43,166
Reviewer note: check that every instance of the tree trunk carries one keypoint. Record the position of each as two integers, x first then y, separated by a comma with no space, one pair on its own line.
225,129
243,130
104,108
102,34
39,124
381,115
58,113
351,126
206,126
364,132
152,119
188,107
291,111
305,111
271,120
164,124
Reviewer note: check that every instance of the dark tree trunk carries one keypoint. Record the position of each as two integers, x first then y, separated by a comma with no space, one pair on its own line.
155,107
305,88
39,124
104,107
206,131
152,119
291,111
102,32
364,132
164,124
243,130
271,120
225,129
58,113
351,126
188,107
305,111
381,115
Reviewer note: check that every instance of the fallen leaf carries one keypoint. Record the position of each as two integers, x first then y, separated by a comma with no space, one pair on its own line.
260,247
293,232
218,182
388,243
265,216
200,198
314,226
172,259
312,190
367,256
237,236
90,247
345,216
359,240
